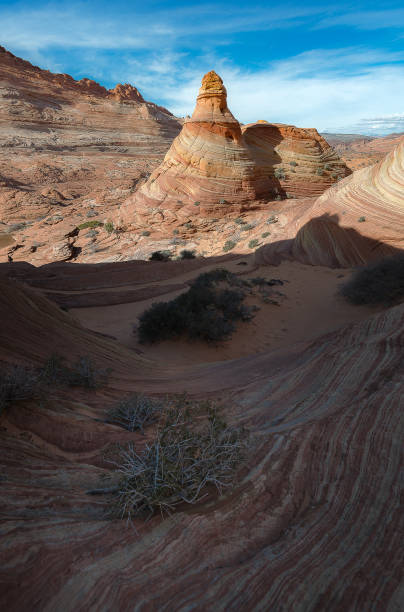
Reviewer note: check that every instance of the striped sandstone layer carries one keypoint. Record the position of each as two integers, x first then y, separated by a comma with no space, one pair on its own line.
300,159
214,166
358,220
313,523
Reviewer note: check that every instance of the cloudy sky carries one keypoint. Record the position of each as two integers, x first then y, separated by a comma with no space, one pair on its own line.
333,67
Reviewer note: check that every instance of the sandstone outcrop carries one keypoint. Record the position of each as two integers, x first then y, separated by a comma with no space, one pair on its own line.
90,145
299,161
219,167
311,525
358,220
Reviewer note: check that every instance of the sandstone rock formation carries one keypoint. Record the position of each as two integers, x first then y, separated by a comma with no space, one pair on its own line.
312,524
358,220
300,161
218,167
72,149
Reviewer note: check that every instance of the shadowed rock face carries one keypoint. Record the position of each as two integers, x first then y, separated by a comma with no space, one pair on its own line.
313,523
358,220
223,168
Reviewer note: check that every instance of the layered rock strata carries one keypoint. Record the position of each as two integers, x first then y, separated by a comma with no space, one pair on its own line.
312,523
299,161
219,167
70,151
358,220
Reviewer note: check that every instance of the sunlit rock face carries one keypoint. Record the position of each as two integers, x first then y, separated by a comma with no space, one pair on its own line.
298,161
222,167
358,220
208,163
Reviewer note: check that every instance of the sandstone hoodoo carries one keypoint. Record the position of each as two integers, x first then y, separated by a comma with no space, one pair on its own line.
220,167
208,164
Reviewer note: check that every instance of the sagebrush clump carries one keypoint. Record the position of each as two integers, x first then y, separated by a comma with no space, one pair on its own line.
381,282
206,311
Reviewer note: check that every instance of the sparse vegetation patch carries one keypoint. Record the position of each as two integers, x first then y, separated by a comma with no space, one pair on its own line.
381,282
181,465
206,312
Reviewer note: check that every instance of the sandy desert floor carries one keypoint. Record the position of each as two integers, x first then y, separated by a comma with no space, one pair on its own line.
308,305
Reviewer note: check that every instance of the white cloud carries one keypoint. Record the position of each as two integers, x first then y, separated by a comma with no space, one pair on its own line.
322,89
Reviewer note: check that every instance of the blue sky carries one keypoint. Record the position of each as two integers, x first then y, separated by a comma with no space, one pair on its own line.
336,68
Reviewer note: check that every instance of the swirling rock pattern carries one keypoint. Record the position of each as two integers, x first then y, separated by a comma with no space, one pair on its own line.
300,161
313,524
221,168
358,220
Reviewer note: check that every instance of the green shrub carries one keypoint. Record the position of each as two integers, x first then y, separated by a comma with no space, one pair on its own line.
204,312
180,465
381,282
109,227
361,219
90,224
272,219
265,234
229,245
146,233
248,227
293,163
279,173
253,244
187,254
160,256
197,203
240,221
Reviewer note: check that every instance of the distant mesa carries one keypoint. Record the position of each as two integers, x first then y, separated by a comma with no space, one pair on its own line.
224,167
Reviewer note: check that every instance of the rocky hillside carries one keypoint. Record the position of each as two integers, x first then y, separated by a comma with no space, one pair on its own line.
69,152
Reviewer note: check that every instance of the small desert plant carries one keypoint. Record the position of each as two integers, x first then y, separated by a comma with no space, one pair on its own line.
253,244
82,373
320,171
265,234
272,219
160,256
228,245
188,225
240,221
293,163
381,282
109,227
176,232
279,173
17,383
204,312
248,227
89,224
180,465
187,254
197,203
361,219
146,233
134,412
